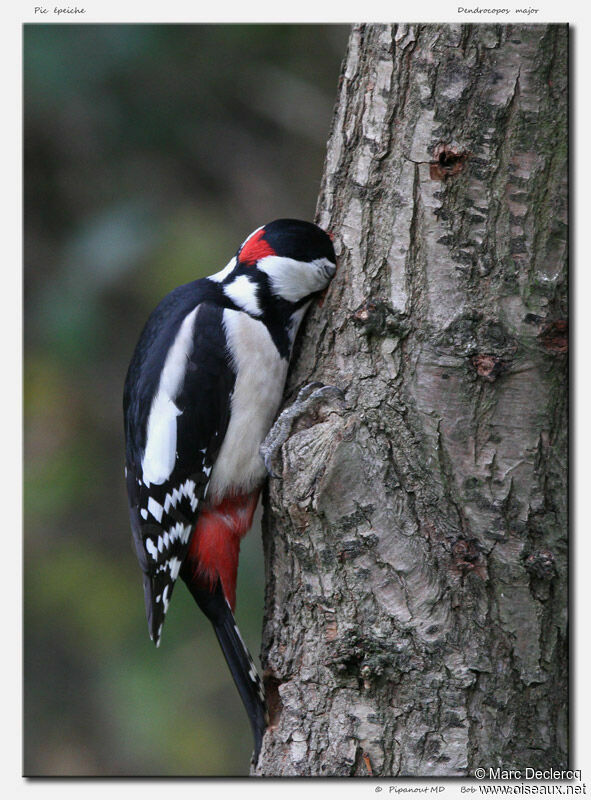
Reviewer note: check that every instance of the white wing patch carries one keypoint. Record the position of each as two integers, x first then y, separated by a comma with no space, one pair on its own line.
151,548
186,489
155,509
160,453
177,530
165,600
175,566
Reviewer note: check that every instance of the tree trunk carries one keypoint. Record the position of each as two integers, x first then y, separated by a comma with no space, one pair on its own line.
416,541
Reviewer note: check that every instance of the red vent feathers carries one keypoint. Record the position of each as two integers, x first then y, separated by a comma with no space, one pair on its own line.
256,247
215,544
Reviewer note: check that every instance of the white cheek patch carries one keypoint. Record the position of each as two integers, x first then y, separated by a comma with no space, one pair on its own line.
160,452
293,279
243,292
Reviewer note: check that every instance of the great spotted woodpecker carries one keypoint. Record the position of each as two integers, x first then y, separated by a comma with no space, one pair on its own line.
201,393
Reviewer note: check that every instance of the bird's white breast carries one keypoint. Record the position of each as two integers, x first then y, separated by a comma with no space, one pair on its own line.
260,378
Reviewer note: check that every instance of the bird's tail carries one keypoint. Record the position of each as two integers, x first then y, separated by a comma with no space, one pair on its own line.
250,687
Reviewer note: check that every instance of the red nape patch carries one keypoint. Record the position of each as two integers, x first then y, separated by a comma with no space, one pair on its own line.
215,544
254,248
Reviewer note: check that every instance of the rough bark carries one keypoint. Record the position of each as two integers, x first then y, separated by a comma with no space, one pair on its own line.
415,542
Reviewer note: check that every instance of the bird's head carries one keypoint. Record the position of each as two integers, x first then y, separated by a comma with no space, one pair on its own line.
290,259
298,257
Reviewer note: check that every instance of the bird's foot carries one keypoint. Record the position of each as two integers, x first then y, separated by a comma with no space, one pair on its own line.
309,398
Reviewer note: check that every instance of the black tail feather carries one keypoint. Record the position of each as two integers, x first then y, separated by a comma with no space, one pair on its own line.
215,606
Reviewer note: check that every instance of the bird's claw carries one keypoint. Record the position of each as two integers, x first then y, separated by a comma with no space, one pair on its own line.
309,396
267,459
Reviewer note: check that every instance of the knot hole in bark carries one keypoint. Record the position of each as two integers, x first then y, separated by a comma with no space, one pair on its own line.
448,162
274,704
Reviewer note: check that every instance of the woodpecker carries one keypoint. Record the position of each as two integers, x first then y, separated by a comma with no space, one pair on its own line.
202,390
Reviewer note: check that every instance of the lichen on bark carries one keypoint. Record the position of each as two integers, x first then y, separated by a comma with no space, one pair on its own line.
416,548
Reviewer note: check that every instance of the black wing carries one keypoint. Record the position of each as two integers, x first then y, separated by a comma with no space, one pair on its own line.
163,514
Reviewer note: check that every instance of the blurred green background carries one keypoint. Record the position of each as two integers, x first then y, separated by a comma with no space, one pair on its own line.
151,151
